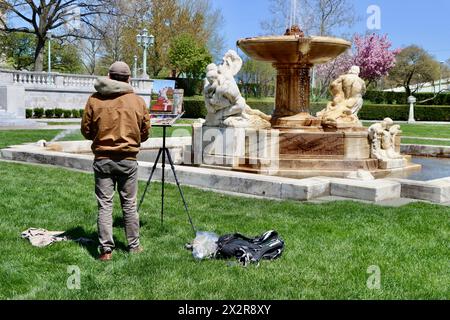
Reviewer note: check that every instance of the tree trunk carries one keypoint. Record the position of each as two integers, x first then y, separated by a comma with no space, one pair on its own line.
408,91
39,55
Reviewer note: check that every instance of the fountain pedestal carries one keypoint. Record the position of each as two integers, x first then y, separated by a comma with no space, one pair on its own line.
293,56
292,153
292,97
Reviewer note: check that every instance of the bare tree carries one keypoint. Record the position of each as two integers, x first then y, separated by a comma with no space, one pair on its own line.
319,17
91,50
280,15
332,14
56,16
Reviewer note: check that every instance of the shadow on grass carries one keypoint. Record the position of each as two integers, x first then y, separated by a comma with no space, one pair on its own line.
91,246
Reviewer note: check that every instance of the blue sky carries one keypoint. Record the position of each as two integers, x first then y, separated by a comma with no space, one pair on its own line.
422,22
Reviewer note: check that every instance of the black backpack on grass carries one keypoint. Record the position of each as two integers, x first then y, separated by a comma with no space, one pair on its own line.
268,246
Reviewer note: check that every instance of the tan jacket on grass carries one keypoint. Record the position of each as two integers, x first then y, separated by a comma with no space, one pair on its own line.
116,120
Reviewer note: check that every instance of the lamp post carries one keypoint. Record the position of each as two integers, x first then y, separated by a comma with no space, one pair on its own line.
411,100
135,66
145,40
49,37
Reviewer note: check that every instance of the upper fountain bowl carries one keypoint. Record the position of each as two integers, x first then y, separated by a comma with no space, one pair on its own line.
293,49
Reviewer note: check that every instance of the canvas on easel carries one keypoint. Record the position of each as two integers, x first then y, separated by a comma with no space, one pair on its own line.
169,100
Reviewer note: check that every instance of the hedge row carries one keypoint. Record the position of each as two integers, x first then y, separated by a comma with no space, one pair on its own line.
53,113
401,112
196,109
194,87
382,97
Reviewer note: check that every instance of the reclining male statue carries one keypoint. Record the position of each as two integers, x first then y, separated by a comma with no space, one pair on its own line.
224,102
347,92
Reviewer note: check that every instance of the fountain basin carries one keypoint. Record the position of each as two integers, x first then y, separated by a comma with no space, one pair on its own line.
293,56
294,49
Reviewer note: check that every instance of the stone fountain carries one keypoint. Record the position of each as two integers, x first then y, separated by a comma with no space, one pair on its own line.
293,55
292,142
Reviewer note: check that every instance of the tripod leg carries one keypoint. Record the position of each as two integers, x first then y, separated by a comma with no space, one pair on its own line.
179,188
163,183
150,178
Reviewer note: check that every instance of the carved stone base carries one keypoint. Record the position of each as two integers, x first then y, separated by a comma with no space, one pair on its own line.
300,120
294,152
311,144
343,127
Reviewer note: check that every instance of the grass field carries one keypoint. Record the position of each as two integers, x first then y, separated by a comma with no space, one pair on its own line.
425,142
423,130
13,137
62,123
329,247
426,131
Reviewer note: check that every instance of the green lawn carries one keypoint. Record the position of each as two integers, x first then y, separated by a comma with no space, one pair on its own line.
13,137
423,130
425,142
62,123
426,131
329,247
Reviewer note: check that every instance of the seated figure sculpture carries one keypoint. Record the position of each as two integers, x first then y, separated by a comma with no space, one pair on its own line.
347,92
382,137
225,105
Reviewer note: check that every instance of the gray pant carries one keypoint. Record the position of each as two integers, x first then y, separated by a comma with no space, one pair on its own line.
123,175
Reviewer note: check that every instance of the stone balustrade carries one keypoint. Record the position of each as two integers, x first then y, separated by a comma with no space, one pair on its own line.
59,80
24,89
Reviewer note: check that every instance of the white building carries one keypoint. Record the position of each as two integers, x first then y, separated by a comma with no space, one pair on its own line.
427,87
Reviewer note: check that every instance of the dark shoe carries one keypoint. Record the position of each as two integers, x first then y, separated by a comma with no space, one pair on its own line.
136,250
107,256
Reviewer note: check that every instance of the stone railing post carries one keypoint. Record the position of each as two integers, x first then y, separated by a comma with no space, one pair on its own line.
6,77
59,81
411,100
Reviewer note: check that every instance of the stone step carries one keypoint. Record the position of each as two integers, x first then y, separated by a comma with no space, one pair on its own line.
6,115
11,120
437,191
313,164
376,190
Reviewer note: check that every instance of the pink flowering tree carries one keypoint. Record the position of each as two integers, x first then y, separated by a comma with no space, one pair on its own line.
372,53
326,73
374,56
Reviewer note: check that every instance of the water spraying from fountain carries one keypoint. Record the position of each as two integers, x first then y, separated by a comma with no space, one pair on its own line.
63,134
52,145
293,14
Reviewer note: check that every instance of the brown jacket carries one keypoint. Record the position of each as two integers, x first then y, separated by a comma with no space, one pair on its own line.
116,120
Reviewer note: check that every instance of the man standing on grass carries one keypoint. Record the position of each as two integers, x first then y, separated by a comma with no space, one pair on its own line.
117,121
